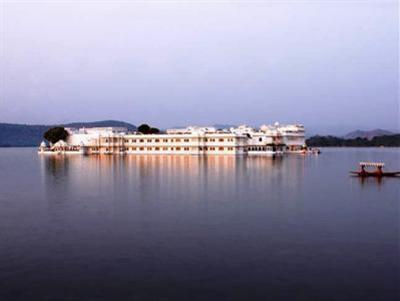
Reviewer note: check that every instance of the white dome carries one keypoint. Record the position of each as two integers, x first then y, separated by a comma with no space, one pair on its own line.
43,144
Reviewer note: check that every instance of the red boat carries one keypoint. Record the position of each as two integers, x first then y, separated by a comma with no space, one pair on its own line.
376,173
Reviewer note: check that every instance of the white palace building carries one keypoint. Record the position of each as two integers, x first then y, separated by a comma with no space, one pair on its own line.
267,140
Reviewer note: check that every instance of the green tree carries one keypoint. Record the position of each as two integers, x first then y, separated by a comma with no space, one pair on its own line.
146,129
154,130
56,134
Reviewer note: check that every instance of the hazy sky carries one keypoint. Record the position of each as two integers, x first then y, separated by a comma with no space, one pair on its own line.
329,64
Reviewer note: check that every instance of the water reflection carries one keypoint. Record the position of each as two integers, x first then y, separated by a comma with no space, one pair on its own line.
56,166
235,226
378,182
191,177
371,180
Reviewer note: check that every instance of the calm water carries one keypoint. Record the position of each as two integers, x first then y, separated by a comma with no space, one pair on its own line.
195,228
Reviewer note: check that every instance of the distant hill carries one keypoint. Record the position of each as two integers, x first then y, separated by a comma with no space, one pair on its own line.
386,140
103,123
367,134
31,135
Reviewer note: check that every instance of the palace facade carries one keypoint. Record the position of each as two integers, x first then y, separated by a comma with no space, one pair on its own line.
268,139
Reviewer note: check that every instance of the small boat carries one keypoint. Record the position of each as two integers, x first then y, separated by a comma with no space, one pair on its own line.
376,173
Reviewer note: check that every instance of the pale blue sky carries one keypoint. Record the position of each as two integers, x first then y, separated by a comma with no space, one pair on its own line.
332,65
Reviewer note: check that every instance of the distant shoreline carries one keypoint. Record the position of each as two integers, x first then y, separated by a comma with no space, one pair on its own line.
333,141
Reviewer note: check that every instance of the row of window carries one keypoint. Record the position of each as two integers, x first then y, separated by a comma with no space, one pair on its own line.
170,140
219,139
294,132
261,148
178,148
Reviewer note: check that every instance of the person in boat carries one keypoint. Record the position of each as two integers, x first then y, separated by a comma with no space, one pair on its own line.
377,173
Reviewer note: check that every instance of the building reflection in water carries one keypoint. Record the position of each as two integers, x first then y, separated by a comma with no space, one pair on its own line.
55,173
116,183
150,171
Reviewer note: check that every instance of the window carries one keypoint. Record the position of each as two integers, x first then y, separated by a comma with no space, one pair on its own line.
186,140
133,140
157,148
157,140
141,140
165,140
106,140
178,140
142,148
212,148
260,139
165,148
220,148
186,148
205,139
230,148
221,139
148,140
178,148
149,148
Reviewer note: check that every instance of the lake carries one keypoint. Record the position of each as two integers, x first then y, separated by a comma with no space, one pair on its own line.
140,227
